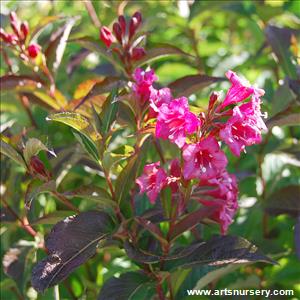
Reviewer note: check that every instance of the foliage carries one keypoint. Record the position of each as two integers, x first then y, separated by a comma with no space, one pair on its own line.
88,159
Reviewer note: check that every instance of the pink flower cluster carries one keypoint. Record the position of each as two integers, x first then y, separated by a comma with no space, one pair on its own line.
203,162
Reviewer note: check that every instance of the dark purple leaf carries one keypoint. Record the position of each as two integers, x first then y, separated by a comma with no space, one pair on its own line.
8,82
284,201
221,250
280,41
161,50
14,261
70,243
131,285
190,84
191,220
297,237
76,60
288,117
57,44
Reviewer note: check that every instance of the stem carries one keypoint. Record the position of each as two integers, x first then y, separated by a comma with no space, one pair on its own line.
159,150
56,292
23,222
92,13
25,102
160,291
170,288
66,201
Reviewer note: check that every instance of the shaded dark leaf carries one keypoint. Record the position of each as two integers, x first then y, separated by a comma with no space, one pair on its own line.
70,243
288,117
284,201
57,44
190,84
297,237
129,286
191,220
15,260
280,41
76,60
8,82
161,50
6,215
221,250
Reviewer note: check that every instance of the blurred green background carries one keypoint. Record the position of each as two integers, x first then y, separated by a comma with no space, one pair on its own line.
258,39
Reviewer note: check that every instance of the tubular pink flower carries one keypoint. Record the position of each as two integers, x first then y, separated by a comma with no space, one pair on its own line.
223,195
157,99
203,160
175,174
142,87
175,121
245,126
239,90
153,180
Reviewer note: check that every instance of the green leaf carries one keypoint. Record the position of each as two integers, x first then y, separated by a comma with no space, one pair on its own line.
12,153
284,201
52,218
32,148
93,193
109,112
190,84
77,122
70,243
87,144
127,286
33,191
161,50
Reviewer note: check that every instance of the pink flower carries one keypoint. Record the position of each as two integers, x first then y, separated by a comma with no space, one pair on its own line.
175,121
239,90
158,97
203,160
142,87
106,36
223,195
245,126
153,180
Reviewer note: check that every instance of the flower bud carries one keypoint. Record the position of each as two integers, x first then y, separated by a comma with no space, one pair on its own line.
3,34
138,53
134,23
212,100
37,166
122,23
13,17
106,36
24,29
118,32
33,50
